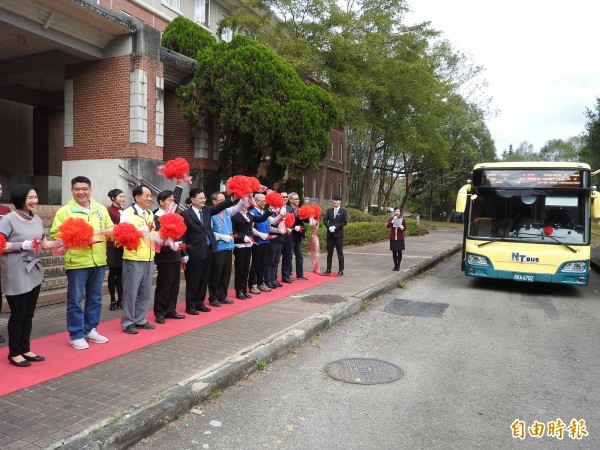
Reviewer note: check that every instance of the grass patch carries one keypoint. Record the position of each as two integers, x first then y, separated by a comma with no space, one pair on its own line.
401,284
261,364
215,395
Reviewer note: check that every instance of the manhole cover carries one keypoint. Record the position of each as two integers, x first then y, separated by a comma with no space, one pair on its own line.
417,309
363,371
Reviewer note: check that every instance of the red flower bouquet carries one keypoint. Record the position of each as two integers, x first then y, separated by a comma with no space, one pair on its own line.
239,185
171,228
127,235
274,199
177,168
2,243
74,233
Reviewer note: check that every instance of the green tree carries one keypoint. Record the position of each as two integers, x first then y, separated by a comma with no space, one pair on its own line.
591,138
266,112
562,150
524,152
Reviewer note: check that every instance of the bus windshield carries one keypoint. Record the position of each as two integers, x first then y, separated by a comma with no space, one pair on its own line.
541,216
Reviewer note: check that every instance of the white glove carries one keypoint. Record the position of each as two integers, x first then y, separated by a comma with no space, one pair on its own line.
185,259
297,228
282,230
144,229
247,239
175,246
401,228
331,229
226,238
27,245
263,236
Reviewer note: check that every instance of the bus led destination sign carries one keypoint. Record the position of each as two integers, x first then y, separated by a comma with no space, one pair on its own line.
531,178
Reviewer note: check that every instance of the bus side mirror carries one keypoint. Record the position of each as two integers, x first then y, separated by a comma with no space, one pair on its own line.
595,205
461,198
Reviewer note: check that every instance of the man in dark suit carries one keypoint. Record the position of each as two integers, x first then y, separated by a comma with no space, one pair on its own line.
335,220
200,247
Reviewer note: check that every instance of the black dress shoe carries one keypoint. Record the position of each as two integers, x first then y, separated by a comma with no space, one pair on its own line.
113,306
23,363
341,273
204,308
216,304
277,283
192,312
327,272
240,295
226,301
35,358
302,278
175,316
287,280
160,320
247,295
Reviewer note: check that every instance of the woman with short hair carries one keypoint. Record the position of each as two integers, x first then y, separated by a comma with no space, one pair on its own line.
22,271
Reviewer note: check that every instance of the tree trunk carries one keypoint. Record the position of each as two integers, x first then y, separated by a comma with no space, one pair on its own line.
365,191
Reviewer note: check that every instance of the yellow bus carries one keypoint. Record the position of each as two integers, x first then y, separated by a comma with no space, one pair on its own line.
528,221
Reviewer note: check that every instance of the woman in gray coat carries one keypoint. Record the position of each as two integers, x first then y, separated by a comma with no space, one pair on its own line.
22,272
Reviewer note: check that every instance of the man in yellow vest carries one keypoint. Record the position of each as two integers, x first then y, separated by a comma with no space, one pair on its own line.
138,264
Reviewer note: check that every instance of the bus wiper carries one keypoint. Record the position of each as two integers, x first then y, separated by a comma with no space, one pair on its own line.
542,235
489,242
568,246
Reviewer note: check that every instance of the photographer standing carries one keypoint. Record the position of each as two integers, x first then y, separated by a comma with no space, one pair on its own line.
397,223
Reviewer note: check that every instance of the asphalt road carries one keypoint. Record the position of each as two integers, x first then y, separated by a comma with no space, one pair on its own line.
476,356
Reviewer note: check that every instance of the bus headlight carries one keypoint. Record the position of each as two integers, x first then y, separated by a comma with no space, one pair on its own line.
575,266
478,260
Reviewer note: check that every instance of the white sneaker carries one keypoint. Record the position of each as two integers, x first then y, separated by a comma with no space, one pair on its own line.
79,344
94,336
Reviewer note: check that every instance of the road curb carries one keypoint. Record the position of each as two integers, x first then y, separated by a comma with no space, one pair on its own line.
132,425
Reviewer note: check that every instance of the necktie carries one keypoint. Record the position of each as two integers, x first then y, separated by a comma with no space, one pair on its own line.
335,213
202,222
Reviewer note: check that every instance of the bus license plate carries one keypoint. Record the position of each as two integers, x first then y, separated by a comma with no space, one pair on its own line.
519,277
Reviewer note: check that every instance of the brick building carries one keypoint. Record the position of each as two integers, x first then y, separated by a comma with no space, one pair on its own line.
86,89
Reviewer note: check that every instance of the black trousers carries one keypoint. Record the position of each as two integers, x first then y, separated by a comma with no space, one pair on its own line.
167,288
337,243
260,255
220,275
197,274
242,267
20,322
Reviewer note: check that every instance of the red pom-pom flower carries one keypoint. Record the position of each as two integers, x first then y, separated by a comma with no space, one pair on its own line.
76,233
2,243
239,186
177,168
308,211
274,199
255,184
290,219
127,235
171,226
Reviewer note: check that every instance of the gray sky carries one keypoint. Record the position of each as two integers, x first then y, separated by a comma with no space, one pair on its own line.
541,61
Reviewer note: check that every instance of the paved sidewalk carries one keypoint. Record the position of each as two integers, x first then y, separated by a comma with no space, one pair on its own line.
117,402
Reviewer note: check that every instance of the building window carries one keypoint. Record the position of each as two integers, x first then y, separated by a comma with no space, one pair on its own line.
202,8
332,156
341,153
201,144
173,4
340,189
227,33
138,106
160,112
330,189
216,143
68,113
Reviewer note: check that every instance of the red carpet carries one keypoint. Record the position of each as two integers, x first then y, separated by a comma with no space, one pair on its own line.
62,359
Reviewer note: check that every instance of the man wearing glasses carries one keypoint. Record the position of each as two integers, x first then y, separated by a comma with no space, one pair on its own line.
293,246
85,266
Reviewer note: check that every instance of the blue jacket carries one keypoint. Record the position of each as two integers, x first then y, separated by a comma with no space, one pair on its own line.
223,225
263,227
